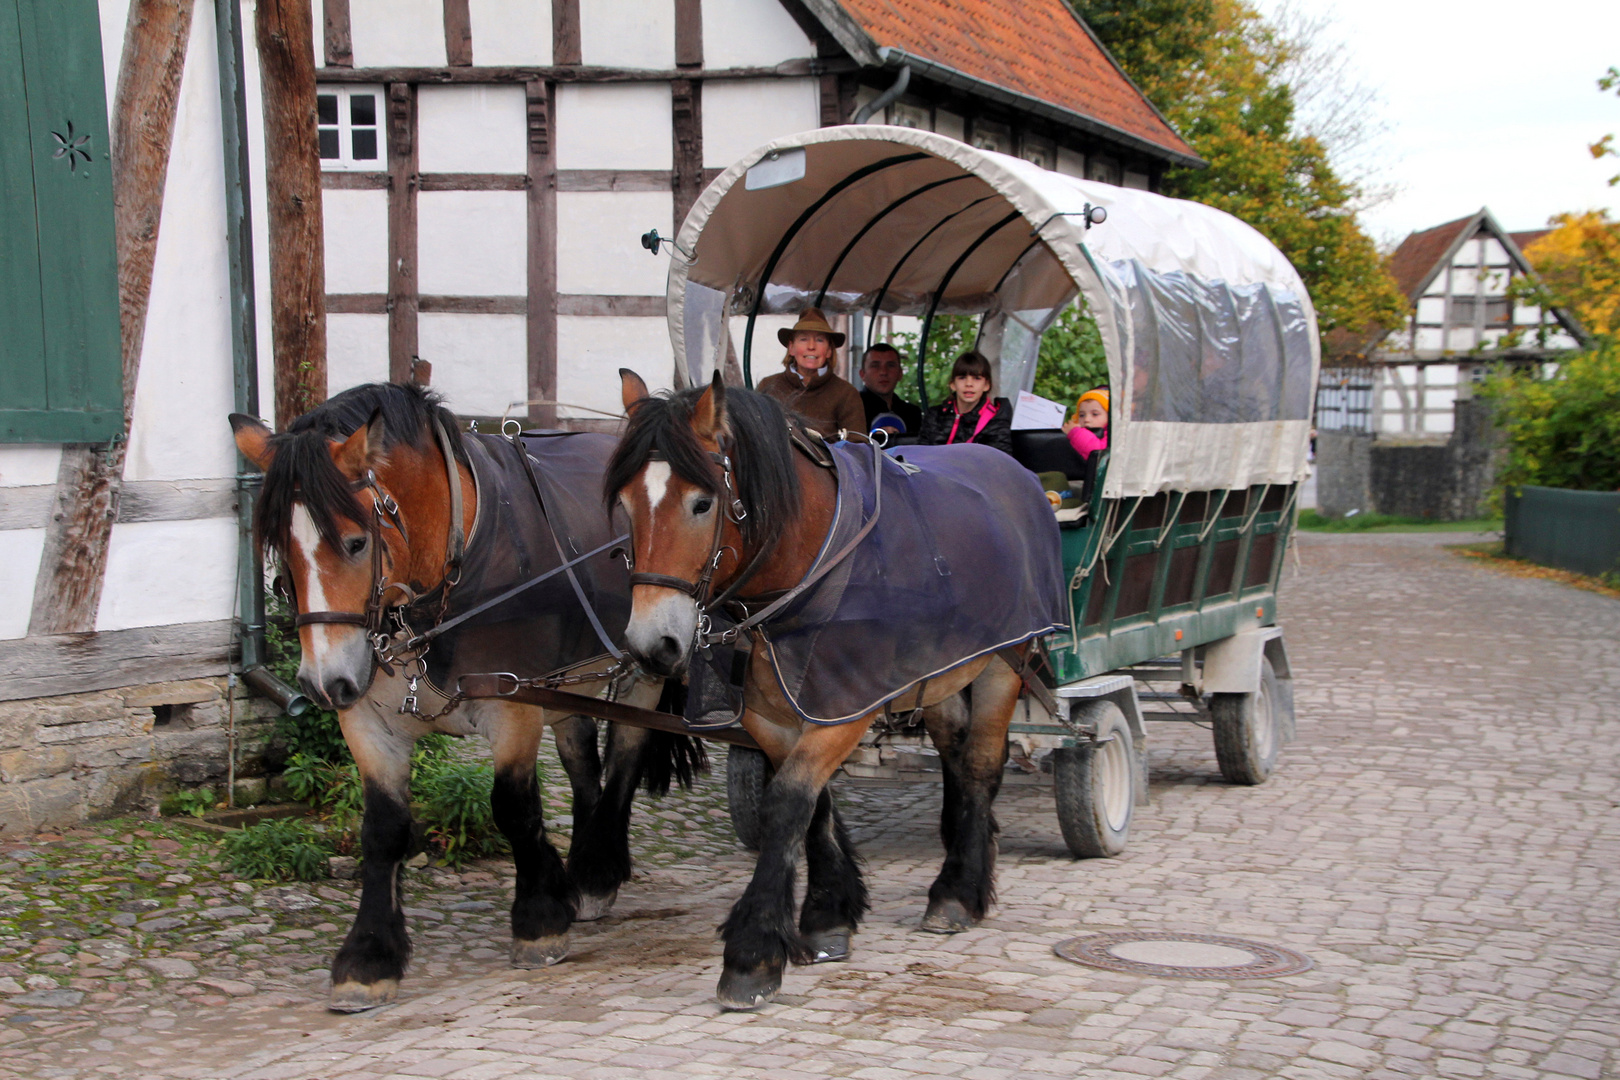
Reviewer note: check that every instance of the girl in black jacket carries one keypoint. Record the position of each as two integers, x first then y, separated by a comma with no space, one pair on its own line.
969,414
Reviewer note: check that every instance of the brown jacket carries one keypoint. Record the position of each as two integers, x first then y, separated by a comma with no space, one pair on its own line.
828,404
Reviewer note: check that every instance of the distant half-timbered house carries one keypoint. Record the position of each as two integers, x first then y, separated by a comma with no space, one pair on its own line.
485,170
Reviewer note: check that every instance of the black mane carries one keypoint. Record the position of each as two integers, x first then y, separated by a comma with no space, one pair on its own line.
302,469
761,456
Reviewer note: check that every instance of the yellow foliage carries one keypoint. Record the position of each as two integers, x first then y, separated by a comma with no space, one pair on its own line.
1579,264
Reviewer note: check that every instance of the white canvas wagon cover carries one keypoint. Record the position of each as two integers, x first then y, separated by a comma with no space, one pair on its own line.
1210,336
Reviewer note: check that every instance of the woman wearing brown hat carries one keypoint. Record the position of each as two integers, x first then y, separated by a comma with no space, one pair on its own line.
808,386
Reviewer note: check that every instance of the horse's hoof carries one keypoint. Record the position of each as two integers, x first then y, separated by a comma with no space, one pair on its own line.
829,946
592,908
541,952
353,997
740,991
947,917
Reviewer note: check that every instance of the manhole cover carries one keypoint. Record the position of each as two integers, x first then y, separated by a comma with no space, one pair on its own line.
1184,956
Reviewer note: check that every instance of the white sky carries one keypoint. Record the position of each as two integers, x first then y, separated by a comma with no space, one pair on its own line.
1491,104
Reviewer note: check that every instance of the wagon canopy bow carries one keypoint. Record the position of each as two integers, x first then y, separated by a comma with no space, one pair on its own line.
1210,336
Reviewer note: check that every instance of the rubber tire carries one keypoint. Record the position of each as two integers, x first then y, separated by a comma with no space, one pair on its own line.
1249,730
1095,784
747,773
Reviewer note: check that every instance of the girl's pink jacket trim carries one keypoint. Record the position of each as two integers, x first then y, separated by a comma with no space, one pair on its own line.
1087,442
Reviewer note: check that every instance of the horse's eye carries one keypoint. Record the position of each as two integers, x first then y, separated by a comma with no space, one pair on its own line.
354,545
702,506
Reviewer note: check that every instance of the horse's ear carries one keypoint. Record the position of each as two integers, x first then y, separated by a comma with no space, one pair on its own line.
362,450
709,414
633,389
253,439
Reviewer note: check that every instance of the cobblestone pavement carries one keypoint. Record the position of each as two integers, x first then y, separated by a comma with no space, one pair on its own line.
1443,841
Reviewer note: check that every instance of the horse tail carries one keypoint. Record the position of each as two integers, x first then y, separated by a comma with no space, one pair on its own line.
667,757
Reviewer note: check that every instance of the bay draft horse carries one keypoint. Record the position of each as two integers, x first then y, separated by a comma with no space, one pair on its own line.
366,469
665,476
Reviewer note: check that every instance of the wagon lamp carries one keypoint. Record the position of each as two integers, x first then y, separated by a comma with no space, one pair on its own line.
650,240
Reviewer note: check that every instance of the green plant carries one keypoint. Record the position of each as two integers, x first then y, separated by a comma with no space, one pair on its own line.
949,336
1562,431
1072,357
334,786
316,733
1315,522
453,802
191,802
285,849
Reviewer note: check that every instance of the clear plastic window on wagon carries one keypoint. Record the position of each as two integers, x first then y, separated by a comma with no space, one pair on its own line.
349,125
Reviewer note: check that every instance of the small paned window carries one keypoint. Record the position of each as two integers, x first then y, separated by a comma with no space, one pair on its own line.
349,125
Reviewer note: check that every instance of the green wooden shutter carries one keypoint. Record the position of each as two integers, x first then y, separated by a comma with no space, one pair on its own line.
61,368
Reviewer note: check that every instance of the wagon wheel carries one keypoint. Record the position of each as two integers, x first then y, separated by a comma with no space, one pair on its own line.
1095,784
1248,730
747,773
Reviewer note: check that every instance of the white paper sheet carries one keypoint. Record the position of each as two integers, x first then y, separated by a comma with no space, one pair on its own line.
1033,412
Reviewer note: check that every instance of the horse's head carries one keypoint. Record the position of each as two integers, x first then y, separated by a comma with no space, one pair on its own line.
707,480
356,504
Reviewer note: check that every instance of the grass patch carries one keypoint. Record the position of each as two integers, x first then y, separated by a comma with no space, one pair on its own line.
1493,556
1391,523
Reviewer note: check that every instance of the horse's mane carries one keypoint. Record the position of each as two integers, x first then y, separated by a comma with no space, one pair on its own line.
302,469
761,455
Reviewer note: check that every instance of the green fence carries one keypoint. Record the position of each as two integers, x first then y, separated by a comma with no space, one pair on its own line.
1572,530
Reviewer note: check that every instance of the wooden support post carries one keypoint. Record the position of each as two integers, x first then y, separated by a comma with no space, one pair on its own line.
72,568
402,186
689,33
565,48
293,183
542,299
687,107
339,45
458,49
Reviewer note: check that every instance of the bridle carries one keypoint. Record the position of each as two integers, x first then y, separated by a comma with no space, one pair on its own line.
736,512
385,515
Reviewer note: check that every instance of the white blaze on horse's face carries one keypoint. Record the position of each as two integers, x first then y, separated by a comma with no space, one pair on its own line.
336,665
672,528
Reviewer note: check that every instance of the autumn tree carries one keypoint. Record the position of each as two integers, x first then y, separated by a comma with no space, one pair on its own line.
1216,69
1604,147
1579,265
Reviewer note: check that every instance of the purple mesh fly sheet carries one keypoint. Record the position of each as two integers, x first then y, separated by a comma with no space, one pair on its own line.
965,559
544,629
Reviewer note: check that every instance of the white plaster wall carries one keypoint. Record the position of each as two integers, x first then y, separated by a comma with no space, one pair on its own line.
1071,162
626,33
1431,309
599,248
741,116
472,243
614,126
480,362
184,388
114,15
20,550
511,31
317,12
356,230
26,464
948,123
1136,180
751,33
164,572
397,33
473,129
592,349
356,351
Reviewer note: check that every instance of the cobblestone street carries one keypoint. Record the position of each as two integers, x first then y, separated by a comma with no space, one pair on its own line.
1442,840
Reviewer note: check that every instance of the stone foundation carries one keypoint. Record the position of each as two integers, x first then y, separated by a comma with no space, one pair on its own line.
82,756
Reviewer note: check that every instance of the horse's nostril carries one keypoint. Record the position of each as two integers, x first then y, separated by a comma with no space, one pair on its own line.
342,692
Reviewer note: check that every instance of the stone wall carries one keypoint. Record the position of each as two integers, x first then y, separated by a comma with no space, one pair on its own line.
1442,478
80,756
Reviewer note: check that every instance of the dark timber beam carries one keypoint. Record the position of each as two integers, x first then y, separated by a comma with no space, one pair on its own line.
73,566
458,47
339,45
542,222
402,277
562,72
293,181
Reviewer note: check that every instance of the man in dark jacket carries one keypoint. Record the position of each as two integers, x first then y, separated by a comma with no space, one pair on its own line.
881,374
969,414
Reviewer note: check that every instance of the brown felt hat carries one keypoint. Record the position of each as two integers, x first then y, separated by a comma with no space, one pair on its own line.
813,320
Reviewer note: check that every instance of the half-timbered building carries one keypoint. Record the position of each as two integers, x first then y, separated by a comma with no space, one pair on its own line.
196,216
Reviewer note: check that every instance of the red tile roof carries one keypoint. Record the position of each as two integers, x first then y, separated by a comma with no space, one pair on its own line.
1419,252
1525,239
1038,48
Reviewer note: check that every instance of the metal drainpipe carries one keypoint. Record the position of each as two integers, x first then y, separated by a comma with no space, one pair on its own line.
244,334
885,99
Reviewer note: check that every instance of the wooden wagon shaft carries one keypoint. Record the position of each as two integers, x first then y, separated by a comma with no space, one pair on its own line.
491,685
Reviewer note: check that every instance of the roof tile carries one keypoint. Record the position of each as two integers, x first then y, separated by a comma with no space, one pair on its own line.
1033,47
